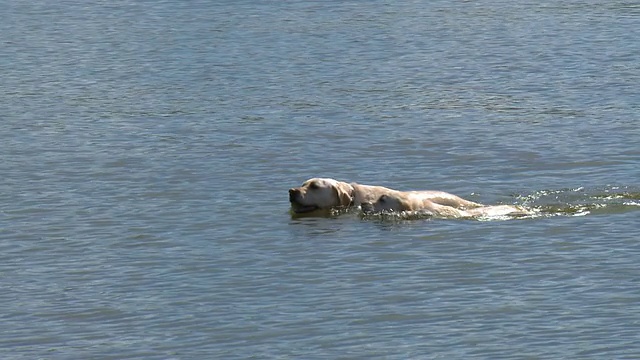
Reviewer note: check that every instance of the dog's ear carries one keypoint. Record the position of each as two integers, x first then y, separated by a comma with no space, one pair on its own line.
405,205
344,191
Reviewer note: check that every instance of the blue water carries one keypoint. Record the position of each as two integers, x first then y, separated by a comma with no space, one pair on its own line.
147,149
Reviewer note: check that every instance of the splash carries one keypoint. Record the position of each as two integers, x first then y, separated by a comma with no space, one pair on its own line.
581,201
392,216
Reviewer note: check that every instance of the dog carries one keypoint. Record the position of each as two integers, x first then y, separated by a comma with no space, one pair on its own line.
414,202
325,194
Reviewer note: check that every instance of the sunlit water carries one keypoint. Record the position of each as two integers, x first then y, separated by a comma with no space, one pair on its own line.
147,149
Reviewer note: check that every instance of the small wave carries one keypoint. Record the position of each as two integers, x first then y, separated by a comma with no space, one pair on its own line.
396,216
388,216
581,201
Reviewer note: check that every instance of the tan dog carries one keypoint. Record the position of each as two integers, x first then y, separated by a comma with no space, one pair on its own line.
325,194
414,202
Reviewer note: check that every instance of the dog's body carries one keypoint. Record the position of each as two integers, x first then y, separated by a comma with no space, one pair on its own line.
411,202
325,194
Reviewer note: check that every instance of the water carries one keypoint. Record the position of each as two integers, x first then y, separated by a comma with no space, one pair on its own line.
147,149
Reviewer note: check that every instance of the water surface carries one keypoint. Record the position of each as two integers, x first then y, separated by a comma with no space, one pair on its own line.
147,150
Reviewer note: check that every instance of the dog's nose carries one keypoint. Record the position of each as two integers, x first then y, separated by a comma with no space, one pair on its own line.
293,194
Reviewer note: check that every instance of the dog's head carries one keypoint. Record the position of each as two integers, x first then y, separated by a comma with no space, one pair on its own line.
388,203
320,194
